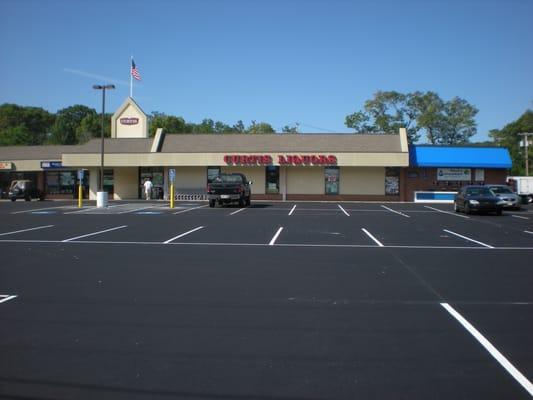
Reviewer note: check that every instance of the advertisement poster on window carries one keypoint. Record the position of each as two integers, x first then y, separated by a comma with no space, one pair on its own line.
454,174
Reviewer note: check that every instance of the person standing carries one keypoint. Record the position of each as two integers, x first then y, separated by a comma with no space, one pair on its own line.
148,188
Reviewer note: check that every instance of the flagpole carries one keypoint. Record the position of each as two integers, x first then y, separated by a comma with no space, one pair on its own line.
131,78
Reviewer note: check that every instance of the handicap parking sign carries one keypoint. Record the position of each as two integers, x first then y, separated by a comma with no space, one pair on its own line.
80,174
172,174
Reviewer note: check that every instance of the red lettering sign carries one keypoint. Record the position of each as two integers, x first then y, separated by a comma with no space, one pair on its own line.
283,159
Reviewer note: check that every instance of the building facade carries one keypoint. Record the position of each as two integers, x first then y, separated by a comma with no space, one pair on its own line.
281,166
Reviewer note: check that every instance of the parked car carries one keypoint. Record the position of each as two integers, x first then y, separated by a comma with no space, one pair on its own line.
24,189
504,192
228,188
477,198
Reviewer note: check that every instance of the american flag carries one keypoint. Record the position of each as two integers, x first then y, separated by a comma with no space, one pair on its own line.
134,71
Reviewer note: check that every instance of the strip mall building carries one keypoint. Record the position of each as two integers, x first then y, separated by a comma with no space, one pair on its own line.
281,166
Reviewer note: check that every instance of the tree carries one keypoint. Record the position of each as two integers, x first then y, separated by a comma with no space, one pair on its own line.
24,125
239,127
450,122
261,127
290,129
169,123
91,127
68,121
459,123
509,137
385,113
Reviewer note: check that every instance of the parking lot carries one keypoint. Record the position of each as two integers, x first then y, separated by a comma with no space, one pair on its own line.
281,300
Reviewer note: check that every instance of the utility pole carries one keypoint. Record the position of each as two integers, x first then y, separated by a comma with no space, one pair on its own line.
526,149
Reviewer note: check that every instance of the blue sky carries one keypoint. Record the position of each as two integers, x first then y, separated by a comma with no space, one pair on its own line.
281,62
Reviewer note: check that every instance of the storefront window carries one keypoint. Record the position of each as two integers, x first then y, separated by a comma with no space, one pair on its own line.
60,182
156,175
109,182
392,181
332,180
272,179
212,172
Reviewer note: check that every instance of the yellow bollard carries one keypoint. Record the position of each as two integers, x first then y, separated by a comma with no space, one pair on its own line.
80,194
172,196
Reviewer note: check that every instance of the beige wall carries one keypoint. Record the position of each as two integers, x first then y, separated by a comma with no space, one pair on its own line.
126,185
305,180
190,177
255,174
362,181
139,130
203,159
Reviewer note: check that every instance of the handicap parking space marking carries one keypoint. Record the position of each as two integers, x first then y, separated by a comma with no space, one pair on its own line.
396,212
26,230
6,297
33,210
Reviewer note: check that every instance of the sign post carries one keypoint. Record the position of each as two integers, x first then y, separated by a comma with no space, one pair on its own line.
172,178
80,188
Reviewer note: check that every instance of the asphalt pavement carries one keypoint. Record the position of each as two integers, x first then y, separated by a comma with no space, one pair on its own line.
278,301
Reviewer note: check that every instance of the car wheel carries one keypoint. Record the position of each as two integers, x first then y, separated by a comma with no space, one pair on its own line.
13,199
467,209
248,201
211,203
455,207
499,212
242,202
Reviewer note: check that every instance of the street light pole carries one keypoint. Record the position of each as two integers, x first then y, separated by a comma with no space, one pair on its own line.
103,89
526,149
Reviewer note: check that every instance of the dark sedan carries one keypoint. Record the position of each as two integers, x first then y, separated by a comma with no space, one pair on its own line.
479,199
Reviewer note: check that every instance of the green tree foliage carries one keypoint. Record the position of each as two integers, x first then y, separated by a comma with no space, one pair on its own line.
509,137
261,127
169,123
24,125
67,124
450,122
91,127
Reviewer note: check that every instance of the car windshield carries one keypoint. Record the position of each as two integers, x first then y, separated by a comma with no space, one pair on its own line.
228,179
501,189
479,192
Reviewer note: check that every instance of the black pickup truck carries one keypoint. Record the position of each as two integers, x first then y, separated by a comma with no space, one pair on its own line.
228,188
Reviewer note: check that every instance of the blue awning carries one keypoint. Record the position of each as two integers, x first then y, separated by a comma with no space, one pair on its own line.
467,157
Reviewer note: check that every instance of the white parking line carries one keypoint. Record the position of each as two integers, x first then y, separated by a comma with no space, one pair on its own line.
183,234
292,209
238,211
343,210
447,212
372,237
469,239
190,209
6,297
518,216
271,243
94,233
531,233
26,230
504,362
396,212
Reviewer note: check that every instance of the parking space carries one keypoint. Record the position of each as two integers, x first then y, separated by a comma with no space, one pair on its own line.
323,300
